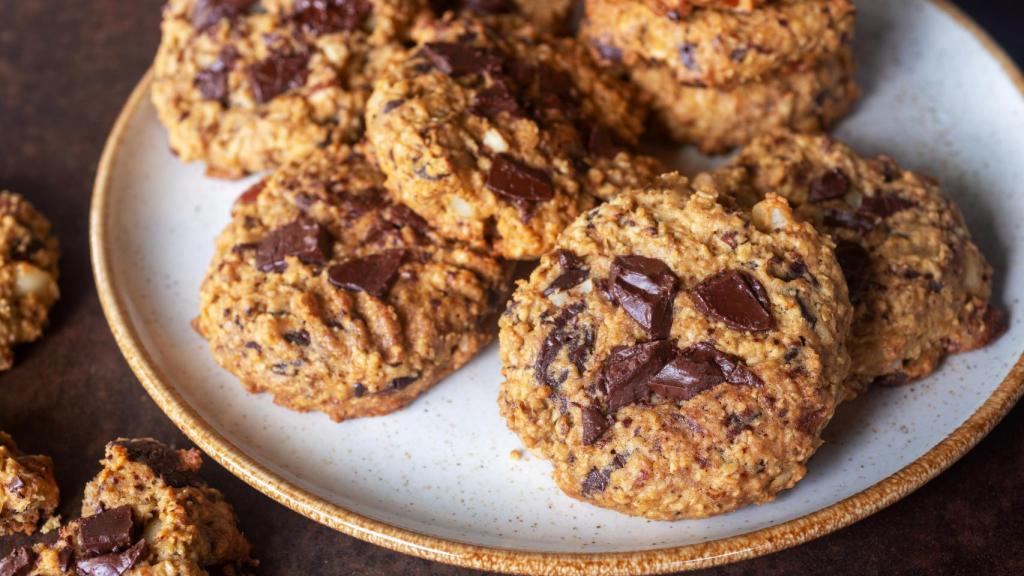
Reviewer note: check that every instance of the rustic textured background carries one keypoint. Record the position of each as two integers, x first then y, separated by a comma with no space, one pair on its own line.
66,67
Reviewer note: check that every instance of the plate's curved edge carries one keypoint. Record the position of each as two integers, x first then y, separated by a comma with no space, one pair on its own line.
695,556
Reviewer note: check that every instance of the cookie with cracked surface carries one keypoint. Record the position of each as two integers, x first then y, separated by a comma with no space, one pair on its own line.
719,119
718,48
147,512
500,136
332,297
552,16
248,85
28,490
28,274
663,364
920,287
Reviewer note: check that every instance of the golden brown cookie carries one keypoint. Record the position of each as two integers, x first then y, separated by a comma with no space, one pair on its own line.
28,490
919,285
718,119
552,16
499,136
718,48
147,513
667,360
332,297
248,85
28,274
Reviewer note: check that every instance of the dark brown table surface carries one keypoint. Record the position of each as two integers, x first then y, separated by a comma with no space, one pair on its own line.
67,66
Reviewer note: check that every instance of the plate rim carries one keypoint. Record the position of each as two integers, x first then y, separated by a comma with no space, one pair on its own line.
688,557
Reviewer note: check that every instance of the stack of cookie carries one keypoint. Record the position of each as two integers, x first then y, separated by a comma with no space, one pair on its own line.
416,158
720,72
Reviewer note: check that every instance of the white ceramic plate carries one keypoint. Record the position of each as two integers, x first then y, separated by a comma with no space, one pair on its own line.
437,480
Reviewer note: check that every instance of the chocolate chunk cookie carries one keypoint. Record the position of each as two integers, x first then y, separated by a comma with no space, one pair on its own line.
332,297
718,48
147,513
919,286
675,357
28,274
500,137
28,491
806,99
247,85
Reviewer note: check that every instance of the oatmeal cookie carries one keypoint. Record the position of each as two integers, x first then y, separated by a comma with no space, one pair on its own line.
28,274
28,490
332,297
719,119
247,85
500,137
718,48
919,286
147,513
675,357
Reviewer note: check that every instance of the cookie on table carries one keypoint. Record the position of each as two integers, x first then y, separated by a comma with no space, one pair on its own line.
500,136
674,357
714,47
332,297
146,513
552,16
920,287
717,120
247,85
28,274
28,490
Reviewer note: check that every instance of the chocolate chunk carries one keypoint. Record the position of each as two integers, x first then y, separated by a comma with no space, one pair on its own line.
567,280
609,51
572,275
371,274
402,382
108,531
736,423
891,380
276,75
856,264
296,337
359,390
392,104
686,55
738,54
806,312
689,373
595,481
594,424
645,288
602,143
318,17
64,559
564,334
626,373
460,59
698,368
401,216
495,99
810,421
207,13
518,183
303,239
830,185
17,563
859,221
886,205
163,460
213,82
737,299
112,564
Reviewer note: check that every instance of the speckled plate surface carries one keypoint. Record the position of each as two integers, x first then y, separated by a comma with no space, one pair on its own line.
436,479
